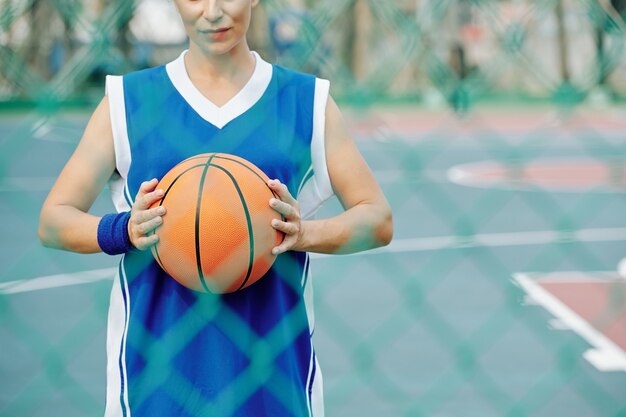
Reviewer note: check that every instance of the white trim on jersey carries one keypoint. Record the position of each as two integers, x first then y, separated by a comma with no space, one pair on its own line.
235,107
317,188
315,401
117,111
306,196
117,332
307,176
317,393
124,339
313,372
308,294
318,146
305,271
308,382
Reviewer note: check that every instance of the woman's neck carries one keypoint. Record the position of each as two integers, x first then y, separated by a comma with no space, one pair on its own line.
235,66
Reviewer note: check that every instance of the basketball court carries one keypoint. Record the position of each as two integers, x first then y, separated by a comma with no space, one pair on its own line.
498,296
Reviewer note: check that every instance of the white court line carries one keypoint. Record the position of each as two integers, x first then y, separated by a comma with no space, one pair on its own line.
463,175
42,130
40,127
621,268
578,277
54,281
495,240
420,244
606,356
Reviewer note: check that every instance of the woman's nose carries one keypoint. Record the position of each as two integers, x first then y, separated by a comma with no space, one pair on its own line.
213,10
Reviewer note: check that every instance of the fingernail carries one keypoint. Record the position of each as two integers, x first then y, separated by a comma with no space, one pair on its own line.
159,192
274,202
161,210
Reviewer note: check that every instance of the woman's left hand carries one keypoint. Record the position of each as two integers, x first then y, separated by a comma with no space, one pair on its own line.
291,226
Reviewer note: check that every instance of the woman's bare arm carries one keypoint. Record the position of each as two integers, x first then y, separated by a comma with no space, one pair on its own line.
64,221
366,222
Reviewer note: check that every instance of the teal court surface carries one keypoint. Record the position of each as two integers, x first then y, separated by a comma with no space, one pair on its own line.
499,296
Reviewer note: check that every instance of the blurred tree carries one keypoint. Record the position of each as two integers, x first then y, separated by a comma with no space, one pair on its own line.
44,24
562,43
606,22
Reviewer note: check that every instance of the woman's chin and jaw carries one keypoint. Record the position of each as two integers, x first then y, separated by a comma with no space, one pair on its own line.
216,27
230,45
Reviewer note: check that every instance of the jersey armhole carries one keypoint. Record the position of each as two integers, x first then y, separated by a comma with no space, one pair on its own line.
318,145
117,111
316,187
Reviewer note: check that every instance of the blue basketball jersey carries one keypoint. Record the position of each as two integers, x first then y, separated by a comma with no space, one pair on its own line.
172,351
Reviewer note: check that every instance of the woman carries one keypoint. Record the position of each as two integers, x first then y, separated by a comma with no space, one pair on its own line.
171,351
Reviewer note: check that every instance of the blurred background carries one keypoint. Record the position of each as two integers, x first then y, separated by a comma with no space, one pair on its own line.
454,52
497,131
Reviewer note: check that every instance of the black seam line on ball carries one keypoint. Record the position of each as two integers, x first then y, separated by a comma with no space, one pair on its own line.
248,221
220,156
159,261
176,179
156,248
197,228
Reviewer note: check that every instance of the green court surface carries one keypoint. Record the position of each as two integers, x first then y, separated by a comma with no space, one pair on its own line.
433,325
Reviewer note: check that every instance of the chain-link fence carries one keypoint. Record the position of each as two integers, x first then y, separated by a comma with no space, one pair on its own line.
457,51
496,131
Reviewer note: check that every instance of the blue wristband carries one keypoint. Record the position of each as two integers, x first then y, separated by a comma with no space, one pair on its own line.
113,233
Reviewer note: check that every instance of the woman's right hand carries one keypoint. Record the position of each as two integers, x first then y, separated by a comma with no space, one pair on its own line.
143,219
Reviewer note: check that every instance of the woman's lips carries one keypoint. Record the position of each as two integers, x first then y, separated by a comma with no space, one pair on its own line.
215,34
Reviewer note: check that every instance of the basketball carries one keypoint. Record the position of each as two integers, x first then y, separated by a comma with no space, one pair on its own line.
216,234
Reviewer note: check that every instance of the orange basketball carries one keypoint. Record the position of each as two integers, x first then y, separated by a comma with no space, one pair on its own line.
216,234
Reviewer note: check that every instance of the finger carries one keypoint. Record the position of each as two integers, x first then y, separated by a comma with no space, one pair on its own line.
285,227
142,216
146,242
149,199
147,186
286,245
284,208
145,227
282,192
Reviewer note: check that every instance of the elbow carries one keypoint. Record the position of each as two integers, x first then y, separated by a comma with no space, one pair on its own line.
46,240
44,232
44,236
384,232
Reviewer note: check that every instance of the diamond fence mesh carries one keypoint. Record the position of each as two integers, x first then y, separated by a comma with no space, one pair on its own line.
496,131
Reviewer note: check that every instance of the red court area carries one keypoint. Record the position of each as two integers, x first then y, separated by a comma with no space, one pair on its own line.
591,304
505,124
600,302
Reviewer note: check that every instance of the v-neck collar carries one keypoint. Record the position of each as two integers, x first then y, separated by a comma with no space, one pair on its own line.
233,108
